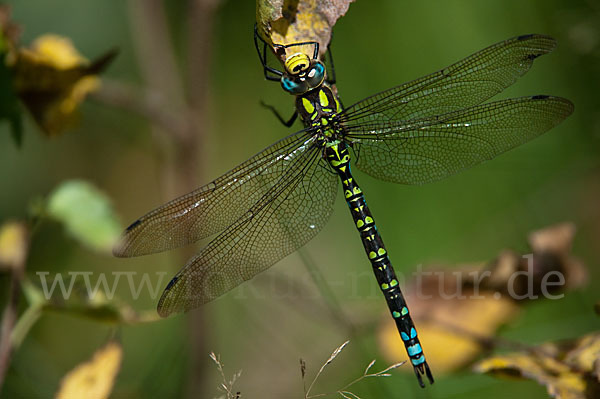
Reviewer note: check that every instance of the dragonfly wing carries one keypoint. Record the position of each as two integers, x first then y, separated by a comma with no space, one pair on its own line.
213,207
466,83
288,216
425,150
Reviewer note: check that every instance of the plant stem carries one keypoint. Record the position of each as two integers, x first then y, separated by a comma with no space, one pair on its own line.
9,316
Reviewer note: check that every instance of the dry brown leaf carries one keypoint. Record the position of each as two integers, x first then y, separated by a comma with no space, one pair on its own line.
10,30
585,355
52,79
549,268
569,370
457,311
286,22
558,240
454,332
561,382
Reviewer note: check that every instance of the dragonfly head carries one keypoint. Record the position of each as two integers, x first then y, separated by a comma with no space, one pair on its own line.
302,74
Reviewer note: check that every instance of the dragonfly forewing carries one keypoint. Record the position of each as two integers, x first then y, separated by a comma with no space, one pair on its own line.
468,82
211,208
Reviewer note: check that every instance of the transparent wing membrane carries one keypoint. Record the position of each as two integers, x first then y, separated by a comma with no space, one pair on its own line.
429,149
286,218
468,82
213,207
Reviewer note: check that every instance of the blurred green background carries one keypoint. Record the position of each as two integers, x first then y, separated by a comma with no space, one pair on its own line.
262,328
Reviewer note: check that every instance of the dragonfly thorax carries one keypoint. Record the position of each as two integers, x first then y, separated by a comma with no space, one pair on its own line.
318,107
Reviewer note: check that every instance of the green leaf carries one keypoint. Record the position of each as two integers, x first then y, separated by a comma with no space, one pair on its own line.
86,213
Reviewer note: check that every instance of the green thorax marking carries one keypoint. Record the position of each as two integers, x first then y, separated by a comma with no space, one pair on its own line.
318,106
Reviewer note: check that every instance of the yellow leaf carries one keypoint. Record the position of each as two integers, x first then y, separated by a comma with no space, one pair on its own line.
586,354
95,378
52,79
560,380
465,306
452,334
567,369
13,244
57,51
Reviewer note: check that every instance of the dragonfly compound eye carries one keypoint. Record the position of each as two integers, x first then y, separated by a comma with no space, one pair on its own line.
294,86
316,74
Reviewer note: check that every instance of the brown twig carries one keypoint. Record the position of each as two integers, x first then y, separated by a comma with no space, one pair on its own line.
159,68
333,306
9,316
8,322
199,55
147,103
156,56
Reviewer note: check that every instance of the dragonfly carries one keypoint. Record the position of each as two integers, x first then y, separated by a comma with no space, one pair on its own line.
277,200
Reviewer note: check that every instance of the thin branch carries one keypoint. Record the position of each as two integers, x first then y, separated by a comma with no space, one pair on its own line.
200,32
9,316
344,390
147,103
334,354
200,28
333,305
156,55
8,322
199,49
227,385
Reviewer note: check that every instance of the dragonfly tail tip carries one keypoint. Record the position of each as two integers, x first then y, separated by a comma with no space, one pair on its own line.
423,369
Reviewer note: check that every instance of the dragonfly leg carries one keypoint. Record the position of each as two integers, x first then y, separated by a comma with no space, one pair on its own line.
331,77
263,58
287,123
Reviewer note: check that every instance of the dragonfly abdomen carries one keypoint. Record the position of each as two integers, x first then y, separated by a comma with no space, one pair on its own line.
338,157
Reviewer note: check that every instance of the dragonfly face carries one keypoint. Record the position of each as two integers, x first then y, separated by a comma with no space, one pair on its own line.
302,74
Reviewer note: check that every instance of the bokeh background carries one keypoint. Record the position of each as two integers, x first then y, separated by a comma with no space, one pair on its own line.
267,325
